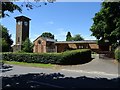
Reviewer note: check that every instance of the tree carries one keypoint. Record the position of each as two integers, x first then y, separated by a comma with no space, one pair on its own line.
4,45
77,37
47,35
106,24
11,7
27,46
68,37
5,39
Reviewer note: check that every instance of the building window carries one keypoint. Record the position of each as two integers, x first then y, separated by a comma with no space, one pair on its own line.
18,39
39,41
81,47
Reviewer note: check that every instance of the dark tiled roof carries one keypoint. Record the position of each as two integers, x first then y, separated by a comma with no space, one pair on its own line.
46,39
83,41
24,17
49,39
60,42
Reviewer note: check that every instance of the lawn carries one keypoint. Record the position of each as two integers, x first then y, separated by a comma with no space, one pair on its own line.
30,64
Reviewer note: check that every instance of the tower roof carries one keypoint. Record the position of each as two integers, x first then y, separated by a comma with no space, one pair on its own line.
22,18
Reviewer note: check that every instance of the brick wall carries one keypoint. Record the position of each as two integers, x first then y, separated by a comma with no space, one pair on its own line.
39,48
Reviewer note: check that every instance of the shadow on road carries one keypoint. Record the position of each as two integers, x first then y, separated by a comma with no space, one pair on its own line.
5,68
56,80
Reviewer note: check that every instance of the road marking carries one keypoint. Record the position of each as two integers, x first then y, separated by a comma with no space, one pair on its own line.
90,72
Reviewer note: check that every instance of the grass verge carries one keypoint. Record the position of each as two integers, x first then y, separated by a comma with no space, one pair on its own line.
30,64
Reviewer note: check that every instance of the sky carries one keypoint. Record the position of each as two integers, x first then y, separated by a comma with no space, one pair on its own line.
57,18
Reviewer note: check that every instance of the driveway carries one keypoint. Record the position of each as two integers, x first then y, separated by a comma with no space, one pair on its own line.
108,68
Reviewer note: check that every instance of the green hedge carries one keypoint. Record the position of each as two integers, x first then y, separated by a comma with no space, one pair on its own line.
68,57
117,54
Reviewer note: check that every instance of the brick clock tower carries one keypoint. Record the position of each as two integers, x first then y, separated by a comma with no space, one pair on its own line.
22,31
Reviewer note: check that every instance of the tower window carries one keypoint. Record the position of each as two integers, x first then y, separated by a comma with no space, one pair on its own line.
25,23
18,39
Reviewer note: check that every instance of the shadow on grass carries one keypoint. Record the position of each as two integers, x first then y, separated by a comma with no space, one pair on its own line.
56,80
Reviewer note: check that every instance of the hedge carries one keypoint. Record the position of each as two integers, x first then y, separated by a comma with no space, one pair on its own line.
117,54
68,57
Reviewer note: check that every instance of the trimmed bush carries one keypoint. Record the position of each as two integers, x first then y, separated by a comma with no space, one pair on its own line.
68,57
76,56
117,54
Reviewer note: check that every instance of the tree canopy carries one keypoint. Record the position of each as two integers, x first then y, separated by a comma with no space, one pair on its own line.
77,37
27,46
5,40
11,7
47,35
68,36
106,24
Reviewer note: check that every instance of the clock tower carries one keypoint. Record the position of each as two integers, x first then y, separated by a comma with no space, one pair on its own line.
22,31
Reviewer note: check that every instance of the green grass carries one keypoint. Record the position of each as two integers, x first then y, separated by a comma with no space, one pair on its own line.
30,64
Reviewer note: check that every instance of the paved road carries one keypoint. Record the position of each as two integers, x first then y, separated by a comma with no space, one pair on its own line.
95,68
105,70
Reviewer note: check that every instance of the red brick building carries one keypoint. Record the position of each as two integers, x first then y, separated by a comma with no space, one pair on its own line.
71,45
43,45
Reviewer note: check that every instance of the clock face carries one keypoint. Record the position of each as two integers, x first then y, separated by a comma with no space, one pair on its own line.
25,23
19,22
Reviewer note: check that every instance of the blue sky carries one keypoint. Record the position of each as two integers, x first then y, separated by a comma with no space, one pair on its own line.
57,18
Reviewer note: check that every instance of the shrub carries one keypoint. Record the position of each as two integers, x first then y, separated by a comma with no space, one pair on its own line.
117,53
76,56
68,57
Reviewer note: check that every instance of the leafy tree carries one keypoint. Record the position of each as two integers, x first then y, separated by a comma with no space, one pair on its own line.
11,7
5,39
68,37
106,24
77,37
47,35
27,46
4,45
